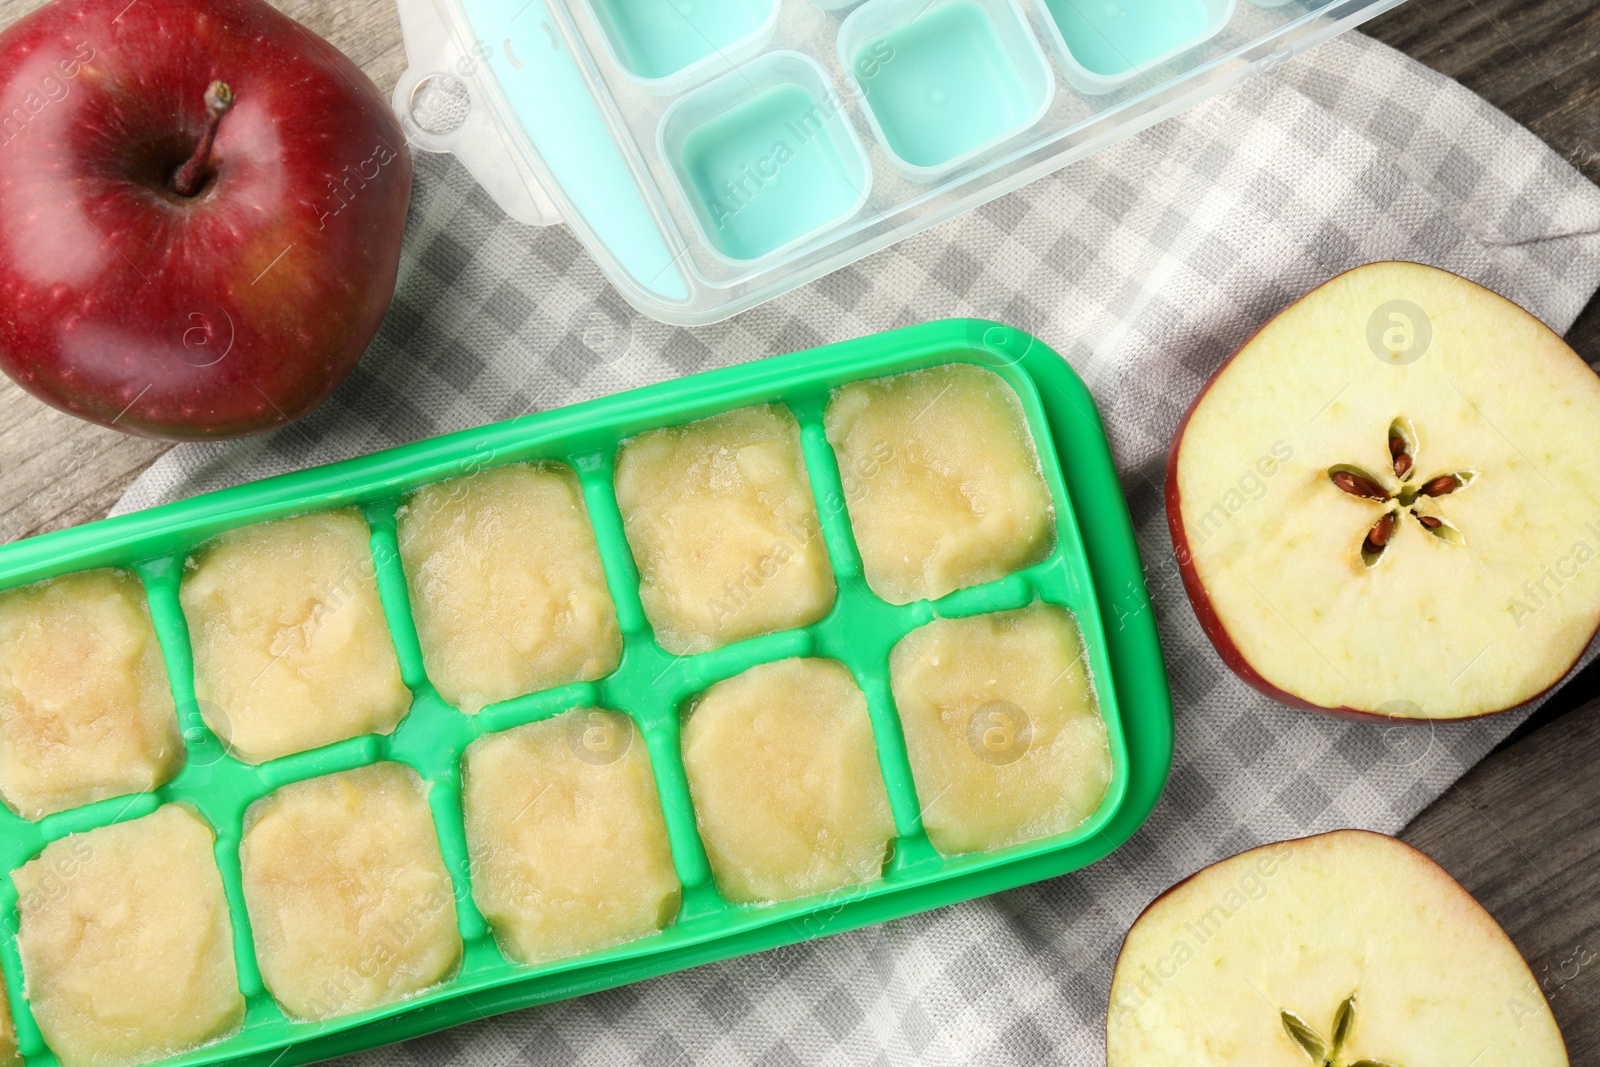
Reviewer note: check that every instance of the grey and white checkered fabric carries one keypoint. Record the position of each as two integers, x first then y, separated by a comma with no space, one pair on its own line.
1144,267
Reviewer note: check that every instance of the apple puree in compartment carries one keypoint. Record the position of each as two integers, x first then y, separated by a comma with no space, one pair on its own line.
85,711
506,584
569,847
347,892
722,524
941,479
126,944
291,651
1002,727
785,781
10,1054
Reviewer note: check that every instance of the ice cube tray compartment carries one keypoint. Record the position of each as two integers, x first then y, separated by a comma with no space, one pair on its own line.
1093,571
761,160
1103,44
655,126
667,43
940,83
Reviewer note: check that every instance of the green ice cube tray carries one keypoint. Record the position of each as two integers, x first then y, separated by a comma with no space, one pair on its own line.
1094,571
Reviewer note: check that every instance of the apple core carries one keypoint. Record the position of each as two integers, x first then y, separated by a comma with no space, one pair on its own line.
1425,548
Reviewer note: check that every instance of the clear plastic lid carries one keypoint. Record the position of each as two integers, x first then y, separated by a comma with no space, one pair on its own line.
712,154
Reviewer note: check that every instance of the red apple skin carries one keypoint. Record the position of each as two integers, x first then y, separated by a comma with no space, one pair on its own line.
214,316
1275,844
1207,614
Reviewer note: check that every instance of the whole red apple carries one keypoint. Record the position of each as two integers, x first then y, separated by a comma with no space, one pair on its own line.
201,207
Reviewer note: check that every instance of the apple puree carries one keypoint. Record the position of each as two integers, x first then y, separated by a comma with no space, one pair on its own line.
506,584
569,847
291,651
347,892
85,712
785,781
722,525
941,479
10,1054
126,944
1002,727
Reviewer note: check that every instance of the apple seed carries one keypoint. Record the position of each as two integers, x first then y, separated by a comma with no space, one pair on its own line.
1305,1035
1402,458
1322,1053
1441,529
1358,485
1443,485
1402,441
1342,1021
1378,538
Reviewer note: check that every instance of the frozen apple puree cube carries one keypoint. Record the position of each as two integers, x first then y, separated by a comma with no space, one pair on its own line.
347,892
506,584
569,848
785,781
85,712
290,647
722,525
1002,727
127,949
941,479
10,1053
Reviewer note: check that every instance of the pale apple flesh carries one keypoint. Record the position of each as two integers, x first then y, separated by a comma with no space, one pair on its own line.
1351,943
1482,589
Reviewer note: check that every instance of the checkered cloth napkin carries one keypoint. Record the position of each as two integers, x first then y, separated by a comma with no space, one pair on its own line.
1144,266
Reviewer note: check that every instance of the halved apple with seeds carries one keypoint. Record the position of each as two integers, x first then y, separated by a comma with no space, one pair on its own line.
1388,501
1349,949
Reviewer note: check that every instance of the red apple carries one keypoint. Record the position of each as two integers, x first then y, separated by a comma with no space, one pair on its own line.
212,301
1387,503
1348,949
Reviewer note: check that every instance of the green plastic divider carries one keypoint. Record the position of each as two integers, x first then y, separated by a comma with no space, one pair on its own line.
1094,571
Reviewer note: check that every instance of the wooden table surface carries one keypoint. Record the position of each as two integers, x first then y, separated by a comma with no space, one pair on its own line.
1521,831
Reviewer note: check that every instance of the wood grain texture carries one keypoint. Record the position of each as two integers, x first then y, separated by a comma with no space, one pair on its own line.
1522,832
1536,60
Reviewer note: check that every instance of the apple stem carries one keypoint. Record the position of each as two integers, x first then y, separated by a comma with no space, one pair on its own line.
188,179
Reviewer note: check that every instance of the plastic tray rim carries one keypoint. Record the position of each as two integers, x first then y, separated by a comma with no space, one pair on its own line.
1066,404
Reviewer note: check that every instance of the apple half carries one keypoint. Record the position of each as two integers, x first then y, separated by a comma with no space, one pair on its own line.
1349,949
1388,501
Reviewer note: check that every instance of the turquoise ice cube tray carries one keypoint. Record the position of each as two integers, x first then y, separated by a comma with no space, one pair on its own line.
711,154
